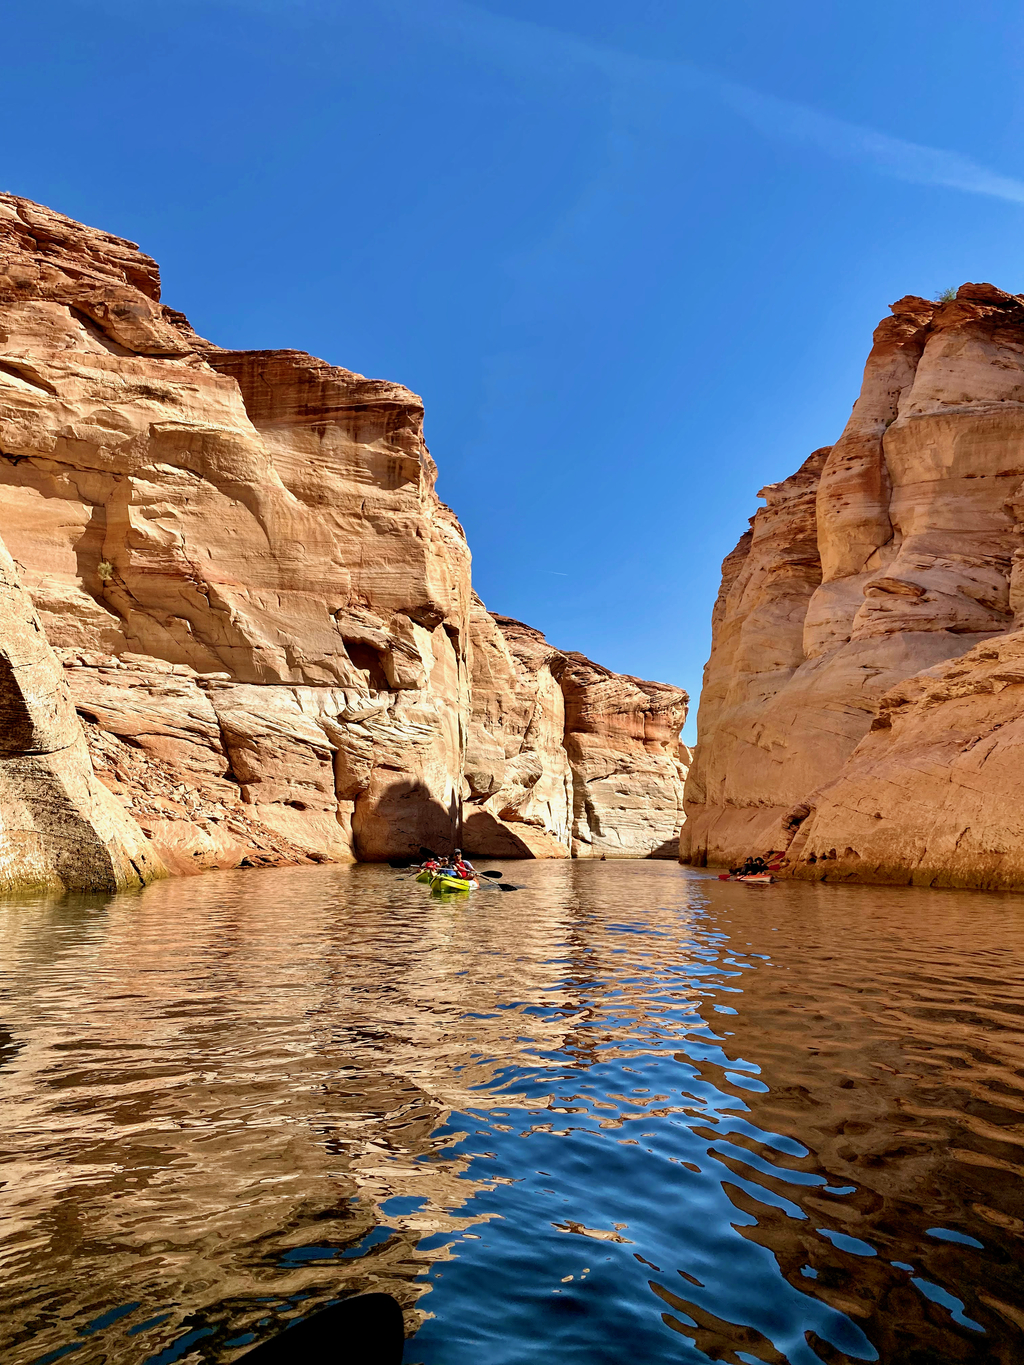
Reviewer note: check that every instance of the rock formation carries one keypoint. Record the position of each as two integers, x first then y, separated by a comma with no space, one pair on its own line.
565,757
628,767
263,609
518,780
59,826
865,660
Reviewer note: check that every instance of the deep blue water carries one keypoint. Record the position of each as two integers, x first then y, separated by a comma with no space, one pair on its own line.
627,1113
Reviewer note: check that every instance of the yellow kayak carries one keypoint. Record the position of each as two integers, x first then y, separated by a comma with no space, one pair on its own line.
443,883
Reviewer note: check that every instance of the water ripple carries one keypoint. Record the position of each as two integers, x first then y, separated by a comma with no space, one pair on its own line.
629,1114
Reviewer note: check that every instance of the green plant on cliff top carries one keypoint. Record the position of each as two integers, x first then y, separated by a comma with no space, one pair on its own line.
945,296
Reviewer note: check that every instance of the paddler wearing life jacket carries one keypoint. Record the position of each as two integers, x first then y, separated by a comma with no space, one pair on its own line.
463,867
458,867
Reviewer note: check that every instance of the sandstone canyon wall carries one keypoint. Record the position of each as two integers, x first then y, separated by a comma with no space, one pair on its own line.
263,609
567,758
59,826
863,706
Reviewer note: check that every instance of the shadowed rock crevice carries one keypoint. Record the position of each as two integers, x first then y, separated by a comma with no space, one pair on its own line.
59,826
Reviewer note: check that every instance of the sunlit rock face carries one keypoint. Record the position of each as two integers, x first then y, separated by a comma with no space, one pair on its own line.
260,523
518,783
628,766
263,609
863,639
59,825
565,757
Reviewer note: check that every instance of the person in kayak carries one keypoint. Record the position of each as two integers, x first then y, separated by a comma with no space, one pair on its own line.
750,868
463,867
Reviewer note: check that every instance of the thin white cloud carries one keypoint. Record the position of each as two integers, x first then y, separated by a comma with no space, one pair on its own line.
782,120
891,156
556,55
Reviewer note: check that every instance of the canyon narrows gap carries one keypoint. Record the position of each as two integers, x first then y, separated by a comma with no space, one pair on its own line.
238,628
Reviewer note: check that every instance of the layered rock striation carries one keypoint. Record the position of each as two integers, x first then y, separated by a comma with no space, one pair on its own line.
59,826
863,698
263,609
628,766
567,758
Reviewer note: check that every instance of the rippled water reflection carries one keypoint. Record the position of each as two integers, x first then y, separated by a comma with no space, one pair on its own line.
629,1113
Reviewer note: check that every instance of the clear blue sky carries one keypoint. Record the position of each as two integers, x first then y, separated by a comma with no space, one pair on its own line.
630,254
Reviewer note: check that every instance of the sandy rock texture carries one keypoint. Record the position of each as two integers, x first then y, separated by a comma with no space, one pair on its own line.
263,610
254,534
518,782
864,649
933,794
567,757
59,826
628,766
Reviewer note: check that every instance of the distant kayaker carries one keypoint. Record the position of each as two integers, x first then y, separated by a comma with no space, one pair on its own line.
750,868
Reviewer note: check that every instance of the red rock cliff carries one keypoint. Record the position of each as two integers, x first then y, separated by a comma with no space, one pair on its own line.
864,661
263,608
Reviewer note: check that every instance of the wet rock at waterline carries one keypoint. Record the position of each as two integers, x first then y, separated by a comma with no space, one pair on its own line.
263,609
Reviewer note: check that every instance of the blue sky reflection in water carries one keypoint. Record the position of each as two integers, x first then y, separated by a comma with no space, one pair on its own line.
629,1113
630,255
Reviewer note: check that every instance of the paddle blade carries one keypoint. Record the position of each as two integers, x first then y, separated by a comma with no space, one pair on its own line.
499,875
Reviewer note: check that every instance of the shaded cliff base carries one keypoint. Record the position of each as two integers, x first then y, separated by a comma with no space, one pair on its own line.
59,825
863,706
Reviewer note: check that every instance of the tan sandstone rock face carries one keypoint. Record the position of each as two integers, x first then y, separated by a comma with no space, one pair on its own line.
59,826
628,766
881,582
565,757
263,609
518,781
262,522
934,793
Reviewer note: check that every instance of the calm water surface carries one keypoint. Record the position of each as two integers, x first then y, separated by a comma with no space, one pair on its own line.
628,1113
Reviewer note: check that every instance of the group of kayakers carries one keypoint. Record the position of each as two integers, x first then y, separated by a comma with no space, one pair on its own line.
455,866
754,867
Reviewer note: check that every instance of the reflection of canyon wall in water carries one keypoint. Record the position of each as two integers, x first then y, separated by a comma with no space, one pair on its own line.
234,1091
890,1057
219,1190
262,606
863,706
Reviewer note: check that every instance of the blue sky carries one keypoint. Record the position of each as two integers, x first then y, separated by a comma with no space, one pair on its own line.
631,255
